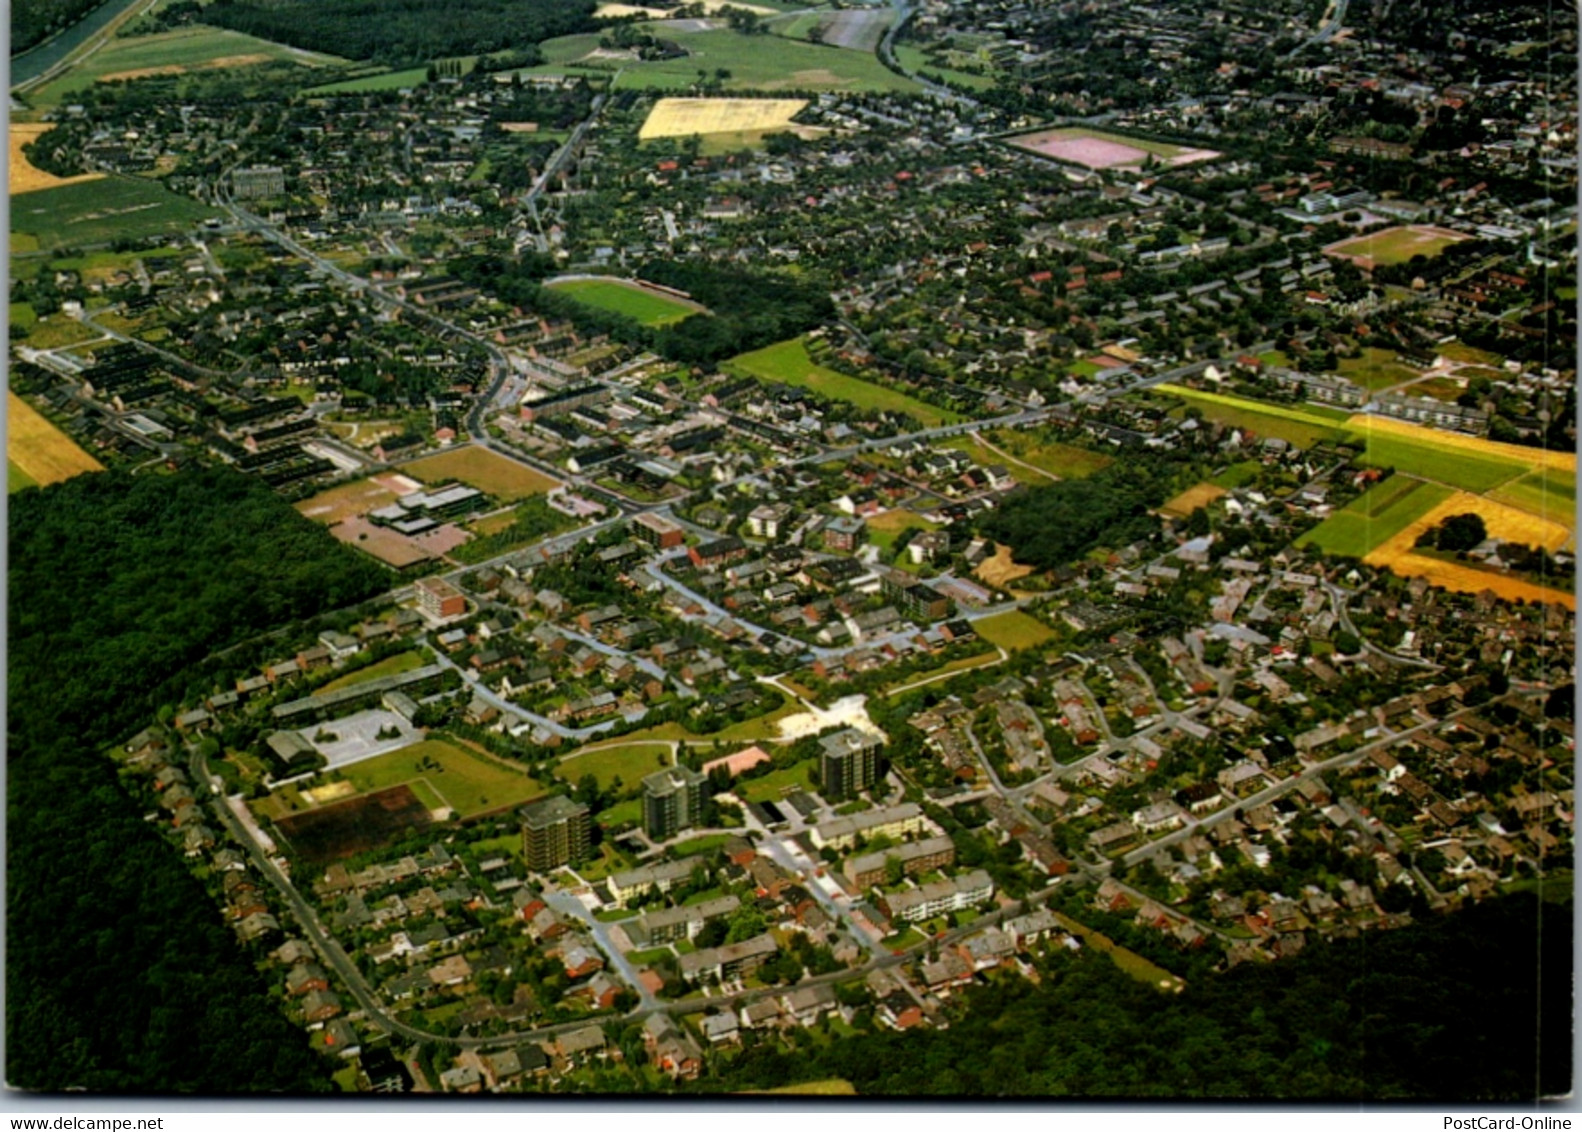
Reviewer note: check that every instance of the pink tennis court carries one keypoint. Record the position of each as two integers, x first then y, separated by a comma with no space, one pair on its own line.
1094,150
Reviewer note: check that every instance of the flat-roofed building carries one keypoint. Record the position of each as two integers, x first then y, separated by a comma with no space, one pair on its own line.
915,858
672,801
939,897
554,833
890,821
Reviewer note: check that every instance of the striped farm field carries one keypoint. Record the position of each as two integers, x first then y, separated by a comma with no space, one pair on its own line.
1295,426
1520,454
1375,516
38,449
683,117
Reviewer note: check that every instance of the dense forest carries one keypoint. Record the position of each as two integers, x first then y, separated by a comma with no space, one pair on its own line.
33,21
1471,1006
749,309
404,32
1052,524
120,975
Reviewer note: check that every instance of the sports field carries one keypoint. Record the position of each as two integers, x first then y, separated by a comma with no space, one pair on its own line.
483,469
467,782
649,307
173,53
1013,630
1095,149
1375,516
1191,499
788,362
338,504
630,762
1395,245
39,450
95,212
683,117
23,176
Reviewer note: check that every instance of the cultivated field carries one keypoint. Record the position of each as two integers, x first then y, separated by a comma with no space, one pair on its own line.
368,84
1544,493
97,211
857,29
1191,499
647,306
173,53
1397,553
1262,420
351,499
39,450
483,469
1375,516
1461,443
344,829
16,478
1395,245
1013,631
788,362
1094,149
683,117
756,63
24,177
468,783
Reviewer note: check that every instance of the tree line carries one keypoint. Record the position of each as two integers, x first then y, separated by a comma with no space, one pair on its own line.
120,974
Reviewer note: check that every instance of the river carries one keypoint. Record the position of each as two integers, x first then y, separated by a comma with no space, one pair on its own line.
31,64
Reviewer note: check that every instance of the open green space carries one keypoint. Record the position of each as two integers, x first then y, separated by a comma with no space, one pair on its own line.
1397,245
1374,516
1296,426
697,845
94,212
913,59
23,315
370,84
630,762
16,478
1129,961
1377,369
624,813
171,52
1468,355
774,785
829,1087
1458,467
468,783
788,362
886,527
389,666
1545,492
1053,456
648,307
758,62
1237,475
1013,630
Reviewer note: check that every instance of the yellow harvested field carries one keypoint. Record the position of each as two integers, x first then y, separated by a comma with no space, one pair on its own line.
1001,570
182,68
40,449
1191,499
1533,457
357,498
24,176
683,117
1509,523
329,793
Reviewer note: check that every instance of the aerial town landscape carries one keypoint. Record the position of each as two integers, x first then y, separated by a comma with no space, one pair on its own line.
838,549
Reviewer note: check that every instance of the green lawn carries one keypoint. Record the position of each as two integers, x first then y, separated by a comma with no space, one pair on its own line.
1013,630
1377,369
468,783
628,812
16,478
94,212
648,307
885,528
1133,964
1058,459
774,785
913,59
788,362
759,63
699,845
1237,475
631,763
23,315
390,666
1374,516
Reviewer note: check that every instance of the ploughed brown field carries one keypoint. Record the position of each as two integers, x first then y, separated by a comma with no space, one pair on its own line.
334,832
